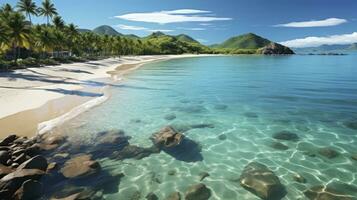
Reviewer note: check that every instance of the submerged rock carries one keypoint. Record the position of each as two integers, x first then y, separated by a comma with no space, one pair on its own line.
151,196
167,137
13,181
325,193
204,175
351,124
203,125
354,157
251,115
222,137
328,152
132,151
220,107
175,144
286,135
261,181
174,196
299,178
71,192
80,166
170,117
198,192
30,189
37,162
279,146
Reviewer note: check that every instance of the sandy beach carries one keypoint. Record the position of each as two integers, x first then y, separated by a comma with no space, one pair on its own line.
34,95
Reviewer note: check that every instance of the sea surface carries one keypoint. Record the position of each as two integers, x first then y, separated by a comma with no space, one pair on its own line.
232,106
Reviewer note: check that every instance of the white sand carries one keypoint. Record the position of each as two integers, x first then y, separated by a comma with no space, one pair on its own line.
31,88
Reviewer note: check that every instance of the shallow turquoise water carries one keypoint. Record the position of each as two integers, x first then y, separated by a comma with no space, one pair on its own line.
247,98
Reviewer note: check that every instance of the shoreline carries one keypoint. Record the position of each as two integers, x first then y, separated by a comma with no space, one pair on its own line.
35,100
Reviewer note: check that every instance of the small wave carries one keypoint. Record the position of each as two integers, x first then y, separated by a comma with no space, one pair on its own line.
50,124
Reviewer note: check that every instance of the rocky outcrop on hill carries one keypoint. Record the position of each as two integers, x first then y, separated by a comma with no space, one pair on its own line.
275,49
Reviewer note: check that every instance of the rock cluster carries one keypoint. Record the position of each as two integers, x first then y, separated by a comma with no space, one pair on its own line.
21,166
261,181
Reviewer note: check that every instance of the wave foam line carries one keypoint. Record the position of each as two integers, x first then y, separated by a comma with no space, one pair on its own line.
46,126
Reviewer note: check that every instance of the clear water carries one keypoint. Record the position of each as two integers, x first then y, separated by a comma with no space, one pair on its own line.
309,95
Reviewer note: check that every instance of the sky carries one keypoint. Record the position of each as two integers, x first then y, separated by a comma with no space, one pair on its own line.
295,23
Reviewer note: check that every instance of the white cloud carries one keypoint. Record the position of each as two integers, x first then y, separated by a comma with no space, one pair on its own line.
140,28
315,23
133,28
205,24
318,41
173,16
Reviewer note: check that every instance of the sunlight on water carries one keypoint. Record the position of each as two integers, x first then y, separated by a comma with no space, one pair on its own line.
232,106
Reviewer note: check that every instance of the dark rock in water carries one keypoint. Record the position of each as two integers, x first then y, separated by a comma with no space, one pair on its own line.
174,196
192,109
108,183
325,193
151,196
170,117
299,178
185,101
8,140
203,175
198,192
328,152
171,172
196,126
5,170
222,137
167,137
135,121
220,107
251,115
354,157
309,153
261,181
279,146
30,189
176,145
37,162
275,49
132,151
4,157
135,196
286,135
108,142
70,192
13,181
80,166
351,124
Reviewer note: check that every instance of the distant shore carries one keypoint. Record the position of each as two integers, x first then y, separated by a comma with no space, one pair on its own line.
31,96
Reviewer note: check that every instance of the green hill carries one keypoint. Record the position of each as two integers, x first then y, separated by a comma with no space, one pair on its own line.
106,30
186,38
246,41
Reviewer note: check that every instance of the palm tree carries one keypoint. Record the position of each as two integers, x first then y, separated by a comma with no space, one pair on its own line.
44,39
58,22
4,36
5,11
28,7
19,32
47,10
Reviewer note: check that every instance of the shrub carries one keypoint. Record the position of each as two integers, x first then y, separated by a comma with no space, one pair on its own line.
48,61
28,62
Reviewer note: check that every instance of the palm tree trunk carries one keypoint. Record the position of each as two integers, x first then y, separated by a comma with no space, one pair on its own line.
30,19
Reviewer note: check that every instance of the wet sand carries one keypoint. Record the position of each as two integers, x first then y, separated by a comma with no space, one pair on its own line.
27,100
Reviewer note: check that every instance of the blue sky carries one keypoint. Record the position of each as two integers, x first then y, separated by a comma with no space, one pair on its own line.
292,22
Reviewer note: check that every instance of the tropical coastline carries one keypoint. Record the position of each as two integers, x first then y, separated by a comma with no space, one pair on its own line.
61,88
